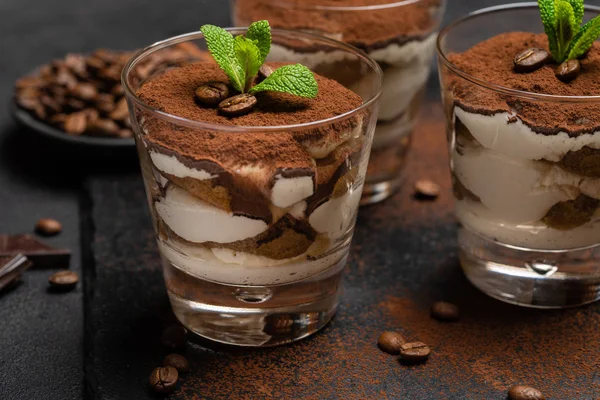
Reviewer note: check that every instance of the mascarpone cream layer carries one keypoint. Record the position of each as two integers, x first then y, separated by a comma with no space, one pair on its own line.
237,268
197,221
535,235
518,140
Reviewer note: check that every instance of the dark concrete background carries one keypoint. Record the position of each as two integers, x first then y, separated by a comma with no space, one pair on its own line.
67,346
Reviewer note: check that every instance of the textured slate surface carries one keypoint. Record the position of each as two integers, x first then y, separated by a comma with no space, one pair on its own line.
47,351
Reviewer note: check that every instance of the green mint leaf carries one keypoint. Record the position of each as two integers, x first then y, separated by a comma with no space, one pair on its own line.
565,27
578,10
549,19
248,56
260,32
584,39
294,79
221,46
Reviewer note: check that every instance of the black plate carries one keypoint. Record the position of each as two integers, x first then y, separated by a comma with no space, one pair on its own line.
26,119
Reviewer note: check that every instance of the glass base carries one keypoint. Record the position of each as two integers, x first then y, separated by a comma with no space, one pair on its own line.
257,316
539,279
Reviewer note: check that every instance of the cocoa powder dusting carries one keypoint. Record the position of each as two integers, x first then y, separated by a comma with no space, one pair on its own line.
492,61
173,92
366,29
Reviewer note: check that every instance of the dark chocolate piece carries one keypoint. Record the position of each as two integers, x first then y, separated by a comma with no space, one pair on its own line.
40,254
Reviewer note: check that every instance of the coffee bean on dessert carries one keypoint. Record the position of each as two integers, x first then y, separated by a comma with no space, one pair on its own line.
568,70
265,71
426,189
48,227
174,337
76,123
237,105
414,352
163,379
521,392
177,361
63,280
212,93
530,60
444,311
390,342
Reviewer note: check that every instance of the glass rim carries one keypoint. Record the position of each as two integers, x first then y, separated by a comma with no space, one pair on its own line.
146,51
370,7
492,86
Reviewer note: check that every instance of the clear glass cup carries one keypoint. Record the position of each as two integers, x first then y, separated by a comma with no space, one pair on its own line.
244,280
399,35
516,188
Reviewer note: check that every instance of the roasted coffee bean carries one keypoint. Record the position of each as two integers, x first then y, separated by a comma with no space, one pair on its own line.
29,82
177,361
94,63
76,123
84,91
29,93
111,74
117,90
163,379
521,392
174,337
63,280
426,189
237,105
444,311
40,112
125,133
104,127
66,78
265,71
390,342
121,111
58,119
28,103
91,114
568,70
52,106
531,60
76,104
48,227
414,352
212,93
105,103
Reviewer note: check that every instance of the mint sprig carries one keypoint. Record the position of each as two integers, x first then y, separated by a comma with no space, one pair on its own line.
294,79
241,58
562,21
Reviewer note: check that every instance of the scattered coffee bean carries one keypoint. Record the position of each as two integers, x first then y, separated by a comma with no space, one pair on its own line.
390,342
521,392
568,70
174,337
531,60
63,280
237,105
163,379
265,71
48,227
426,190
414,352
76,123
444,311
177,361
212,93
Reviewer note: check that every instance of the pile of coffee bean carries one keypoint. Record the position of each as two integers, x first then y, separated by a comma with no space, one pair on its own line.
83,95
410,352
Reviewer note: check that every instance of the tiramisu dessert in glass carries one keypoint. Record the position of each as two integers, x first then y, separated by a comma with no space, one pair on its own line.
254,171
523,112
399,35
